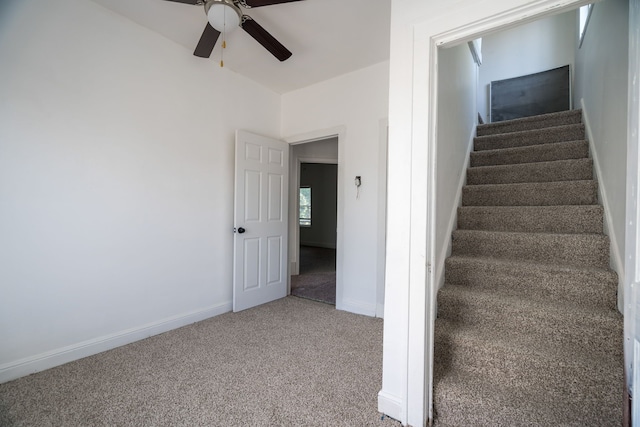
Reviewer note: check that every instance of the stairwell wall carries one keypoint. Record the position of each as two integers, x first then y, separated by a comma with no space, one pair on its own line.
601,91
530,48
457,74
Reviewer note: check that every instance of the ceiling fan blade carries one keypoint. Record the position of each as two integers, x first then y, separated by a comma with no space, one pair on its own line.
194,2
258,3
263,37
207,42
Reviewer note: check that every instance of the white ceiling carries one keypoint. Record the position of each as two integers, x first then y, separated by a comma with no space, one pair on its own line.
327,37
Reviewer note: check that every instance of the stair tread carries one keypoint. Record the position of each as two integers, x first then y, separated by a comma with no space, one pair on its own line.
543,207
574,249
509,405
583,286
559,162
550,171
552,219
534,184
578,149
581,192
532,131
529,137
572,116
541,323
514,304
536,265
543,364
507,233
478,339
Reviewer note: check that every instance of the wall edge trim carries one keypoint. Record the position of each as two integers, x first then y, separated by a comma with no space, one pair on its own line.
453,215
390,405
615,259
358,307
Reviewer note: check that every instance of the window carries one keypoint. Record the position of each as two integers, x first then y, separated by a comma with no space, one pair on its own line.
305,206
585,14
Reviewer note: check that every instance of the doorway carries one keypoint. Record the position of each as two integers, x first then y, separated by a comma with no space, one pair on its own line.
314,220
417,33
317,222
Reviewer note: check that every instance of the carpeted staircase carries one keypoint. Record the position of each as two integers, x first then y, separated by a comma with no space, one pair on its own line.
528,333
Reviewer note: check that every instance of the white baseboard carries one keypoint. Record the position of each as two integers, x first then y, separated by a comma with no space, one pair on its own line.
357,307
615,257
390,405
380,310
445,251
40,362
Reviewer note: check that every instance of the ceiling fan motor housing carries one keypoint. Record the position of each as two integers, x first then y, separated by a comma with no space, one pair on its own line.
223,15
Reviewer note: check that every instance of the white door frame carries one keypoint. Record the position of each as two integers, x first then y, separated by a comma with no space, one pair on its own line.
410,312
632,229
320,135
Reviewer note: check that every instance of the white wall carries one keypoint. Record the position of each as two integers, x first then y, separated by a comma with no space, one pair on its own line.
457,90
116,181
531,48
601,90
355,103
323,180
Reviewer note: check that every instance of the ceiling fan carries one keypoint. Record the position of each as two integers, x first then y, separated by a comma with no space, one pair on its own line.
226,15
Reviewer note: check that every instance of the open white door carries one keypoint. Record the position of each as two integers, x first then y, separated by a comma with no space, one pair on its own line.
260,220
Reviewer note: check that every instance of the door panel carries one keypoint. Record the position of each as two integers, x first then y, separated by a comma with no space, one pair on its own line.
261,200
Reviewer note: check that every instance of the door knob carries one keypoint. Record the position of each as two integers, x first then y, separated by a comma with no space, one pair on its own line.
241,230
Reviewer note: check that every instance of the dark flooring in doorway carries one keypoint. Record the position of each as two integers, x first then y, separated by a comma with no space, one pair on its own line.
317,278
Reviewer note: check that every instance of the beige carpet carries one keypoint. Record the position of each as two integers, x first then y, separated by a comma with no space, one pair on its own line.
292,362
527,332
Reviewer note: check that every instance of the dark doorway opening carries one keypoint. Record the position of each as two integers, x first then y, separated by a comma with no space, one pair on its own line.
317,221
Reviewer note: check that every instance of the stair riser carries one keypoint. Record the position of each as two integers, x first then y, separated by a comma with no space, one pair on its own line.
581,249
521,139
564,170
531,194
587,288
531,123
531,154
533,219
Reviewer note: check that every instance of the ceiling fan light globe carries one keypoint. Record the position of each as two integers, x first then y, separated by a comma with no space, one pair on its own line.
224,16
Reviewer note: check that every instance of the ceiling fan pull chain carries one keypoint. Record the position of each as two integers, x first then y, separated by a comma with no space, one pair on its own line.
224,46
224,39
